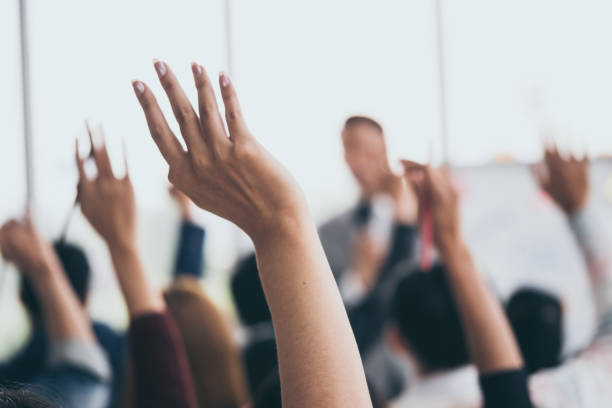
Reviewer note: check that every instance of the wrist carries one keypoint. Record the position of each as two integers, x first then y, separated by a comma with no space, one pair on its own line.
281,229
450,244
122,248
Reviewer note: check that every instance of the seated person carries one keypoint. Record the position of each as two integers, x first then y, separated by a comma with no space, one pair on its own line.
447,316
31,359
75,371
427,332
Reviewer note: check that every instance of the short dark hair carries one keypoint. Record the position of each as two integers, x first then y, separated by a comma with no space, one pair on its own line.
77,270
248,293
22,398
426,315
536,317
362,120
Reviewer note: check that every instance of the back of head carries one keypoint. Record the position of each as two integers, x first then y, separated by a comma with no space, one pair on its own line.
537,320
76,267
425,313
214,360
22,398
248,293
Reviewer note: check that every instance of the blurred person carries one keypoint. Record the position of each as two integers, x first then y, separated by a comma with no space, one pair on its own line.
159,370
463,308
75,372
584,380
367,316
22,398
30,360
233,176
386,209
214,360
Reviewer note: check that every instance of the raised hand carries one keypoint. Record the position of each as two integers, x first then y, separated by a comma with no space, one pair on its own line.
489,337
234,177
566,180
107,201
435,187
21,245
63,315
231,176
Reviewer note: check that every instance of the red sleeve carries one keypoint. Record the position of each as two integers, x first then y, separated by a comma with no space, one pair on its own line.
161,371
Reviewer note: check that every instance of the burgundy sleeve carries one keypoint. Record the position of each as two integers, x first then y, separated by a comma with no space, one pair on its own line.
161,372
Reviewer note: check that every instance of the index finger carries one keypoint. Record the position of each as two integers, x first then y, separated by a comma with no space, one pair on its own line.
167,143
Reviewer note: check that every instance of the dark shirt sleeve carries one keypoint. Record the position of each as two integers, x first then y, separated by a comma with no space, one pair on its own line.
367,318
402,248
190,254
505,389
161,371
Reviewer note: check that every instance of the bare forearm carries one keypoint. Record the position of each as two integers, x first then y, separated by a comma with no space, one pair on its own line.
140,295
63,315
318,356
490,339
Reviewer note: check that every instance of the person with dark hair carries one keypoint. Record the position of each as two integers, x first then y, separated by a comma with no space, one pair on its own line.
23,397
584,380
461,319
385,209
426,329
75,371
30,360
536,317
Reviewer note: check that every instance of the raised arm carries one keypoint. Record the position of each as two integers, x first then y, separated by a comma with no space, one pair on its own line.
566,180
490,340
108,204
234,177
77,368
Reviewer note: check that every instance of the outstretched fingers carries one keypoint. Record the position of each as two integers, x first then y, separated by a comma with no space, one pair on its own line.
233,114
166,142
182,108
210,118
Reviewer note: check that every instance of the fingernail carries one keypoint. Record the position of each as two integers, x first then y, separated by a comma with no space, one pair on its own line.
224,79
197,70
138,87
160,67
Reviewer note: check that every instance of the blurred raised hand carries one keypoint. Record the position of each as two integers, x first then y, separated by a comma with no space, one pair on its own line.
21,245
435,187
232,176
107,202
565,179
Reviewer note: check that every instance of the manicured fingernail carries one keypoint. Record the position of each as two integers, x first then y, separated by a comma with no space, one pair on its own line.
197,70
160,67
224,79
138,87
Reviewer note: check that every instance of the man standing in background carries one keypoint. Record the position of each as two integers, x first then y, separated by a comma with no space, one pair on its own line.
365,242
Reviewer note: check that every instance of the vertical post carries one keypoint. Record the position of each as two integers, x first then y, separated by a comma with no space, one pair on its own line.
27,117
229,38
439,21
